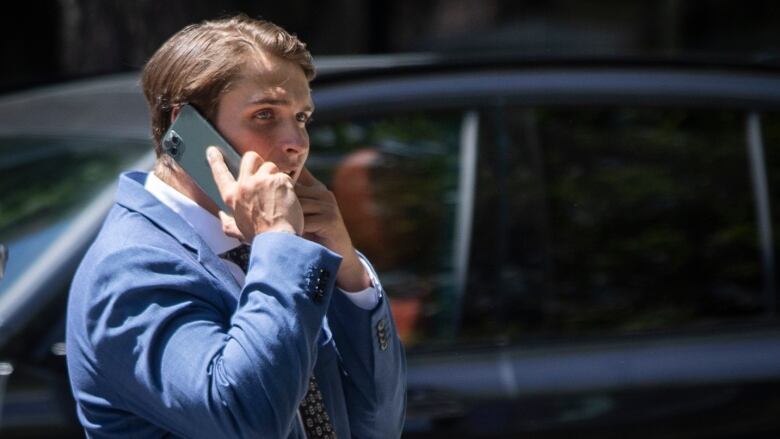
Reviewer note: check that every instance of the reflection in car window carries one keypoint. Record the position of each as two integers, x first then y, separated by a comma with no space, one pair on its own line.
613,220
44,183
3,259
770,127
395,179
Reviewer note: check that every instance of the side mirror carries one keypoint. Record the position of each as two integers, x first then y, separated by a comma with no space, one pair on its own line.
3,260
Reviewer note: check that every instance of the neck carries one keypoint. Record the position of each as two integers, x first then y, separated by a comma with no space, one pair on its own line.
175,177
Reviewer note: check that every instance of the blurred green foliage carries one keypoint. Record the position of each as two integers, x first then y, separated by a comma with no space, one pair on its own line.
650,220
45,179
588,220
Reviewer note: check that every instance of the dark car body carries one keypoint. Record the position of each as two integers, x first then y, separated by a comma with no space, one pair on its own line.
571,248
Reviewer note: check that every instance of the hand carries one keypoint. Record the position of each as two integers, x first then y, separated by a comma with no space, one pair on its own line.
230,228
262,199
324,225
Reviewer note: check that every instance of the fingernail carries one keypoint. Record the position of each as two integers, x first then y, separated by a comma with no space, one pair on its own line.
211,153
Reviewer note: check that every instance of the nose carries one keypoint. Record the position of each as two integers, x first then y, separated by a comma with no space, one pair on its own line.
295,140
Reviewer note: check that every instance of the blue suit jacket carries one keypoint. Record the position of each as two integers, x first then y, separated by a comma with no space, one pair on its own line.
162,341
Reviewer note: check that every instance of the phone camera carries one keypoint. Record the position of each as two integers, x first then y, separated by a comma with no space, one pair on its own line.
173,144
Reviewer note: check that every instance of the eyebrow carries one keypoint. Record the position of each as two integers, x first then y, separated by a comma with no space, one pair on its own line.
279,102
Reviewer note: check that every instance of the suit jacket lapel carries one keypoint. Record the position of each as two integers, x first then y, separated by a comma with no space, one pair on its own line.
132,195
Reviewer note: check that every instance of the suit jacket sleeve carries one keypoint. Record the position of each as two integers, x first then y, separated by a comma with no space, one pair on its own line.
374,365
173,355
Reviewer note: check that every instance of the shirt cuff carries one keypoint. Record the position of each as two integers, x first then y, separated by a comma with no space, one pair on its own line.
369,298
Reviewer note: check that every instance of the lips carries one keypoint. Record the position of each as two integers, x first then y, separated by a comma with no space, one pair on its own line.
290,169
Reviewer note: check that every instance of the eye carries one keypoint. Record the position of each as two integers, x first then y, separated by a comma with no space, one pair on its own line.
303,118
264,114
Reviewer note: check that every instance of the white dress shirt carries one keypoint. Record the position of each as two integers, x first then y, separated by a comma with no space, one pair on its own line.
209,228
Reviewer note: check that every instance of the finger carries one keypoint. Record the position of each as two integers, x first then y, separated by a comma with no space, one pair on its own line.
229,226
311,206
310,236
268,168
219,170
250,162
308,186
225,218
316,223
321,201
306,178
308,191
313,223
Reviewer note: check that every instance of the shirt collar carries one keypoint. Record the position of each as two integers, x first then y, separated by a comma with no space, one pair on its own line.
202,221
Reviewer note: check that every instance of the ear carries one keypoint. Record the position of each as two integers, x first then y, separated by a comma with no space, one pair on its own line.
175,113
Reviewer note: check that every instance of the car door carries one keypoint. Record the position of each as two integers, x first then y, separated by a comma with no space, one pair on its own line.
54,194
625,283
585,251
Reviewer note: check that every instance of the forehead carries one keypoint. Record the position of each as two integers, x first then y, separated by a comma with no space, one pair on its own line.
267,76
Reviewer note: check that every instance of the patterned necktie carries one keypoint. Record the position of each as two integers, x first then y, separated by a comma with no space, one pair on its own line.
316,421
239,256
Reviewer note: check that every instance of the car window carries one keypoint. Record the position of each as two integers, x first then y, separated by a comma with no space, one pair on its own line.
45,181
613,220
769,124
396,180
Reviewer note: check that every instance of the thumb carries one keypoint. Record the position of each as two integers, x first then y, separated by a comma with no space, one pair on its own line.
229,226
219,170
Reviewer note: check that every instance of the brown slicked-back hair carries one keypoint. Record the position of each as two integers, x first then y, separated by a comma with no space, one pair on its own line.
200,63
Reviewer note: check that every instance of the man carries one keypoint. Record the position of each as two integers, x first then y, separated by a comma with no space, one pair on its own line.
170,332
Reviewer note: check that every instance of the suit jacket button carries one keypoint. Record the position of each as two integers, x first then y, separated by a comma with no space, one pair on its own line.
324,275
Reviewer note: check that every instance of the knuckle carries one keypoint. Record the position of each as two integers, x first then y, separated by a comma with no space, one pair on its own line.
246,185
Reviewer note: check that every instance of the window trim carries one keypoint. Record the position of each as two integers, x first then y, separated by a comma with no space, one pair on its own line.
755,151
464,213
556,86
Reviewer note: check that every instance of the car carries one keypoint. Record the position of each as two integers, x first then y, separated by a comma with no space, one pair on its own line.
570,246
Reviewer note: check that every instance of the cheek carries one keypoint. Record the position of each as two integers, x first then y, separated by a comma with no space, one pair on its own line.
253,140
262,147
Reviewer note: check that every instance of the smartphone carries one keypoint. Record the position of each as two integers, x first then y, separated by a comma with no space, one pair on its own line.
186,142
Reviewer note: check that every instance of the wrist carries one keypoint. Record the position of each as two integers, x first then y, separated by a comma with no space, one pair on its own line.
352,275
339,243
